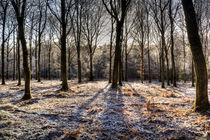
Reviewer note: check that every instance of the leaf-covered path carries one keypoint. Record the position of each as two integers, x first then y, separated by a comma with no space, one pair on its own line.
94,111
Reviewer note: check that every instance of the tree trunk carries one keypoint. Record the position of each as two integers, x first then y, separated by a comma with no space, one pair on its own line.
63,48
49,63
126,63
142,60
201,100
69,64
14,56
3,47
36,61
193,76
173,78
18,60
7,72
184,75
27,73
110,50
162,62
167,66
79,74
160,67
30,42
39,58
91,67
115,76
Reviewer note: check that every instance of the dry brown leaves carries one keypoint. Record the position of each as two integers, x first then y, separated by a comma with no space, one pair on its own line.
73,134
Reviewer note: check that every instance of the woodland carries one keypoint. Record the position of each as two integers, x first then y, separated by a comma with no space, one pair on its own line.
104,69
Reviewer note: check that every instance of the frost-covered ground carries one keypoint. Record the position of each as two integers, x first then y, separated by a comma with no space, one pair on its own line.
93,111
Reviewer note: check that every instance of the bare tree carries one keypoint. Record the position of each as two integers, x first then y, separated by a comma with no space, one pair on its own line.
118,10
41,27
4,5
92,28
201,99
20,8
63,18
158,8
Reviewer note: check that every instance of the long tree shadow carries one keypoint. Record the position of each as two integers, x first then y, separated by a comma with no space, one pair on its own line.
84,106
113,120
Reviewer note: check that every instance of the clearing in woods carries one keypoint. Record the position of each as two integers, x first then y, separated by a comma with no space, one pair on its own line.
93,111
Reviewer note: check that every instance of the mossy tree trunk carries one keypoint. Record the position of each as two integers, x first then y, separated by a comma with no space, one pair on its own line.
201,100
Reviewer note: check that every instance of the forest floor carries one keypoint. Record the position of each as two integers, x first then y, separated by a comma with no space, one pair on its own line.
93,111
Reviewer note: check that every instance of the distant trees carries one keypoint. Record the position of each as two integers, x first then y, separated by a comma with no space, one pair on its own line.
201,99
20,8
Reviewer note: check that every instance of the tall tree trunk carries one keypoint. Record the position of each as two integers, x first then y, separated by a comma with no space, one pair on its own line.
39,58
149,69
183,41
79,74
14,56
201,100
162,62
167,66
115,76
49,62
69,64
126,62
30,42
172,44
18,60
2,48
63,47
160,67
110,50
27,73
36,61
7,68
142,61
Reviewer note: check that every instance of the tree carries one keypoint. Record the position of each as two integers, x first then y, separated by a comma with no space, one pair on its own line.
63,20
41,27
4,5
159,14
93,23
77,29
110,50
201,100
172,16
118,10
140,33
20,8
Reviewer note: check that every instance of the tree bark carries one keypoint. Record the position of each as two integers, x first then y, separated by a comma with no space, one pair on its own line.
20,19
3,44
172,45
116,68
193,75
63,48
14,56
201,100
91,67
18,60
110,50
7,68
